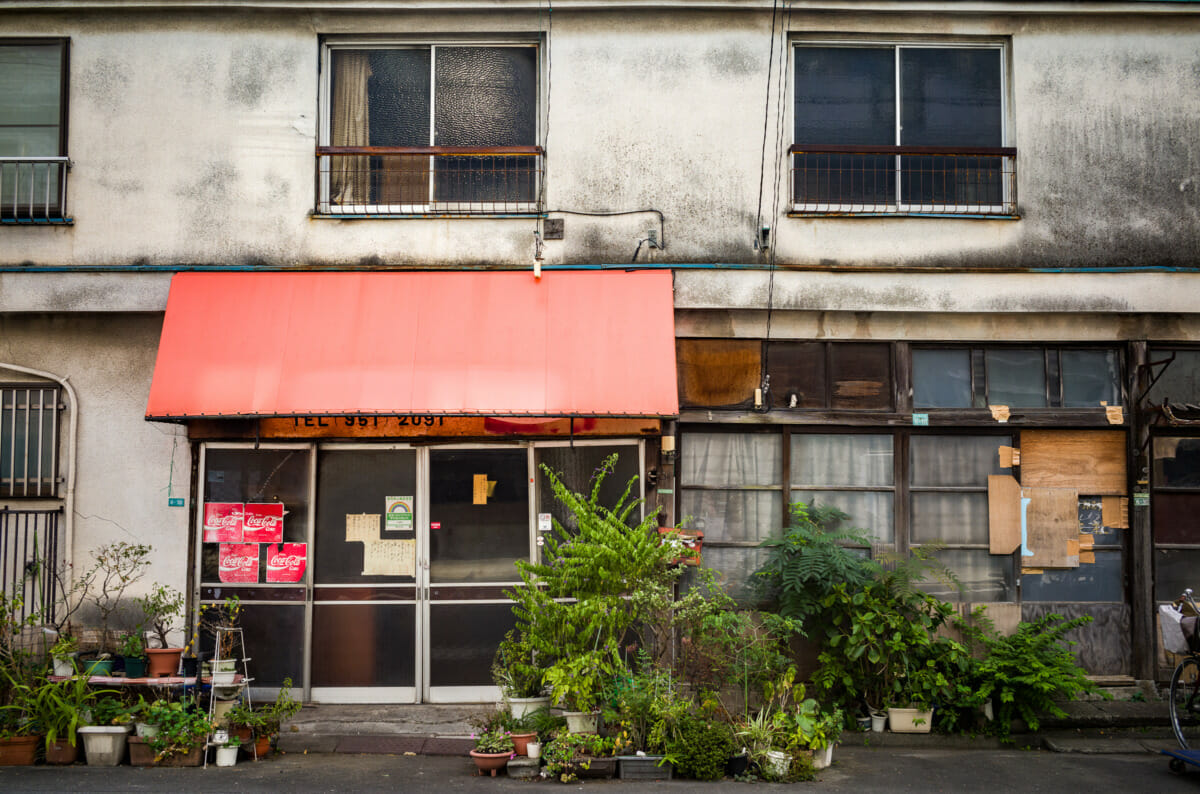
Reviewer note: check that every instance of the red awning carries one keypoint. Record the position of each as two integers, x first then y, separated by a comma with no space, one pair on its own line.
461,343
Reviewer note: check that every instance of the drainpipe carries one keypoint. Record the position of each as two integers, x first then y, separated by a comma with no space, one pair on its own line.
72,434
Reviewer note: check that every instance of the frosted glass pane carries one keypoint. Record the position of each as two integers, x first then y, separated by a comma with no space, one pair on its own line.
984,577
956,460
731,459
841,460
869,510
1016,378
1090,377
949,517
30,80
486,96
734,569
733,515
941,378
398,97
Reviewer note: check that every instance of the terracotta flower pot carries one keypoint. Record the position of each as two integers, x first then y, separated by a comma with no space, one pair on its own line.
61,752
490,762
262,746
19,750
163,661
521,742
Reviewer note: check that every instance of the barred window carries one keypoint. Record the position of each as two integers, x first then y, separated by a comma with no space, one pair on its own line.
28,441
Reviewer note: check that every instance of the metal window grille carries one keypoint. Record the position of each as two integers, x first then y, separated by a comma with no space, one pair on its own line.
29,441
33,189
28,551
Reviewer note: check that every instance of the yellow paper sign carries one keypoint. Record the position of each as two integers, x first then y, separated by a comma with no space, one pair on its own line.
480,489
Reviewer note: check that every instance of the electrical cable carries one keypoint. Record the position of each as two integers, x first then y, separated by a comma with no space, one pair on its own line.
662,221
762,163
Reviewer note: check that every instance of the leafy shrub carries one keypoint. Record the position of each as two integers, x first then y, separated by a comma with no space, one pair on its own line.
700,748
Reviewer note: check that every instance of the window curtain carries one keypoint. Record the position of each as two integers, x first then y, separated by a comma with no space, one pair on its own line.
349,176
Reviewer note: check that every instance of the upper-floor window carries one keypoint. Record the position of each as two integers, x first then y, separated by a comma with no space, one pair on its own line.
429,129
33,130
911,129
1021,377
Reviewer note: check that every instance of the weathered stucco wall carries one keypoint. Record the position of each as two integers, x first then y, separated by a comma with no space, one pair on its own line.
125,464
192,135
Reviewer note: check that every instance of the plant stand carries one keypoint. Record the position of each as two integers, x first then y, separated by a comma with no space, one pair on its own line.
229,691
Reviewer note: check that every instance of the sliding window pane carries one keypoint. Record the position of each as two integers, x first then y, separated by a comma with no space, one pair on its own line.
734,569
941,378
733,515
956,460
1090,377
983,576
731,459
1174,517
860,376
1176,463
1099,581
949,518
845,95
1174,571
1016,378
1178,377
845,459
870,510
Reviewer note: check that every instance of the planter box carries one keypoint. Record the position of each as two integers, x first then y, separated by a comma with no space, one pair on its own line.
598,768
910,720
19,750
644,767
104,745
142,754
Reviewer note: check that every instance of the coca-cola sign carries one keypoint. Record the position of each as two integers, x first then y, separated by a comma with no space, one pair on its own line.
263,523
238,562
223,522
286,562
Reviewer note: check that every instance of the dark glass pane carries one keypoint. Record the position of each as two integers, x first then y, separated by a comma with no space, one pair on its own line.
274,637
577,467
718,373
951,182
469,179
950,97
352,482
1098,581
1174,571
478,536
955,460
1016,378
257,475
797,371
861,180
1174,517
486,96
463,639
364,645
1090,377
845,95
861,376
1179,380
397,96
30,84
941,378
1176,463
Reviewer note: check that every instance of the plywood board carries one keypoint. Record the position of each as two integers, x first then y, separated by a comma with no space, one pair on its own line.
1004,514
1086,461
1116,512
1051,521
1087,557
1006,457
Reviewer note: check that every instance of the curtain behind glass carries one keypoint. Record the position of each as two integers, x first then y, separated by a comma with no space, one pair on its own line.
350,120
956,460
731,459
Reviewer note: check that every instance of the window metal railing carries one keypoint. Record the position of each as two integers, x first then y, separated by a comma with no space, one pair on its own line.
28,441
912,180
428,180
29,551
33,189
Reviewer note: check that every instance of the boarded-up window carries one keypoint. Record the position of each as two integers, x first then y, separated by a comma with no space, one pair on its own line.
718,373
844,376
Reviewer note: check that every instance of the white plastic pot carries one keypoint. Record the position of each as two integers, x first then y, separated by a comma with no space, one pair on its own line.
582,721
104,745
533,750
822,757
522,706
227,756
777,764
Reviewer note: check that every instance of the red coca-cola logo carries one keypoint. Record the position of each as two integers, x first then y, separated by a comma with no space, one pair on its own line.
286,560
234,563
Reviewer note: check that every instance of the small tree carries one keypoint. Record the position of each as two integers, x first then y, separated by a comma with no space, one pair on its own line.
118,566
163,606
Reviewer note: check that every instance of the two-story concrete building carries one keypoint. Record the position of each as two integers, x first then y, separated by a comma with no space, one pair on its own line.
364,267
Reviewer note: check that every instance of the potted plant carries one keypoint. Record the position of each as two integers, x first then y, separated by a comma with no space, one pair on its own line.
133,648
520,679
20,729
227,752
576,683
183,730
163,609
493,750
104,739
63,653
118,566
59,708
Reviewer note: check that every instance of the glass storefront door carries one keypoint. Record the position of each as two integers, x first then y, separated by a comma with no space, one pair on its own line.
406,553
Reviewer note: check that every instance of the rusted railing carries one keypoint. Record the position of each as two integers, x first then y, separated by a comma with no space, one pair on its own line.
28,554
904,179
33,189
427,180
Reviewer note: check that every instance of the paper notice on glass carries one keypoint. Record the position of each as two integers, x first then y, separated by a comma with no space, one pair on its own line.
362,527
480,484
389,558
545,522
398,514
